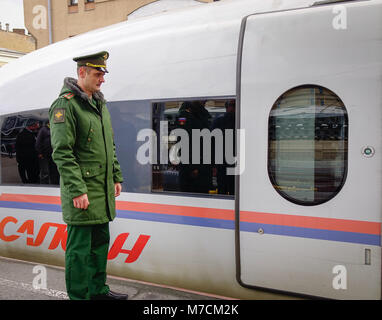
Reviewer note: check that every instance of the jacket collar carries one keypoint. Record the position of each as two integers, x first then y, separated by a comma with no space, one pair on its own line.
70,84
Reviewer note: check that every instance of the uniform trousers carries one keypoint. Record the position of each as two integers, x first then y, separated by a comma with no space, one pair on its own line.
85,261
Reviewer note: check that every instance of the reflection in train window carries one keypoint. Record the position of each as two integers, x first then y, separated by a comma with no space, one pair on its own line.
308,145
26,152
195,143
128,119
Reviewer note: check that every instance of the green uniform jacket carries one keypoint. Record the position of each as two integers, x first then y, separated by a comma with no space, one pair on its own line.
84,152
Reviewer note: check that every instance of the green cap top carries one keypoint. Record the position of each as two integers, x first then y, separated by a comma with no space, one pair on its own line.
96,60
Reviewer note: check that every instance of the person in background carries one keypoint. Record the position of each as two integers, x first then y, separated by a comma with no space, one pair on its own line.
26,155
226,183
48,169
194,177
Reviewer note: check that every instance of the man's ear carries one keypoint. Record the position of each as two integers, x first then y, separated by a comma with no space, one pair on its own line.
81,72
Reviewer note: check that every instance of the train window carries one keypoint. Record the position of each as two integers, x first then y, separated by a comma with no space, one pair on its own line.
195,146
26,153
308,145
128,119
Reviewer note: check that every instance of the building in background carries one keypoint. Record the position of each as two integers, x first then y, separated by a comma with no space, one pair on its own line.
7,56
14,44
50,21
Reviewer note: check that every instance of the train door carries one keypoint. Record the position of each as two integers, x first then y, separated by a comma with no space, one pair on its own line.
308,210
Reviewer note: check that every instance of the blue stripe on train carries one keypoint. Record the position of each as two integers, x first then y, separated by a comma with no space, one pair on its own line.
30,206
333,235
322,234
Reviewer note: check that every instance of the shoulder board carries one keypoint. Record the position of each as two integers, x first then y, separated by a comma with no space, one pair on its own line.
69,95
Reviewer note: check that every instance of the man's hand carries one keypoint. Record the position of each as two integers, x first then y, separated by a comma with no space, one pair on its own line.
81,202
117,189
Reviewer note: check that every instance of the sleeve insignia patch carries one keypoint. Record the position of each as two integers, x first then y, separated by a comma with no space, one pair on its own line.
59,115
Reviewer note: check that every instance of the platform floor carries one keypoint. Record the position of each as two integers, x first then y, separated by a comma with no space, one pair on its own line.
19,282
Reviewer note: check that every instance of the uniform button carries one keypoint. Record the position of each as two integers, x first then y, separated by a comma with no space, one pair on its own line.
87,172
89,139
91,130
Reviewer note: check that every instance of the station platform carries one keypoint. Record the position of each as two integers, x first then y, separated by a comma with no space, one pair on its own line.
22,280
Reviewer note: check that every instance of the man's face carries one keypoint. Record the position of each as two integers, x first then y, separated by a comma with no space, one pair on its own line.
92,79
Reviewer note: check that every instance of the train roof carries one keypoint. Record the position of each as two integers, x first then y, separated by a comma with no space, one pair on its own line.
155,57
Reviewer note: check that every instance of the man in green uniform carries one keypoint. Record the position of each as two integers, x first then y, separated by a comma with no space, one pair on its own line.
90,177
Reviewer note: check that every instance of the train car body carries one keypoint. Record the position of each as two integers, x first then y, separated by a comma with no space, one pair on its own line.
306,215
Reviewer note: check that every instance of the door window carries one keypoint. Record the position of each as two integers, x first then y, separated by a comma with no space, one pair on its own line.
308,145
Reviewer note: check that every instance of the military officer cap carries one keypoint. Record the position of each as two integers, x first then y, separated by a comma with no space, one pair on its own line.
97,61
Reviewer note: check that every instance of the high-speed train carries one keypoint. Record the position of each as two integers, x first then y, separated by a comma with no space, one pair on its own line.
304,216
